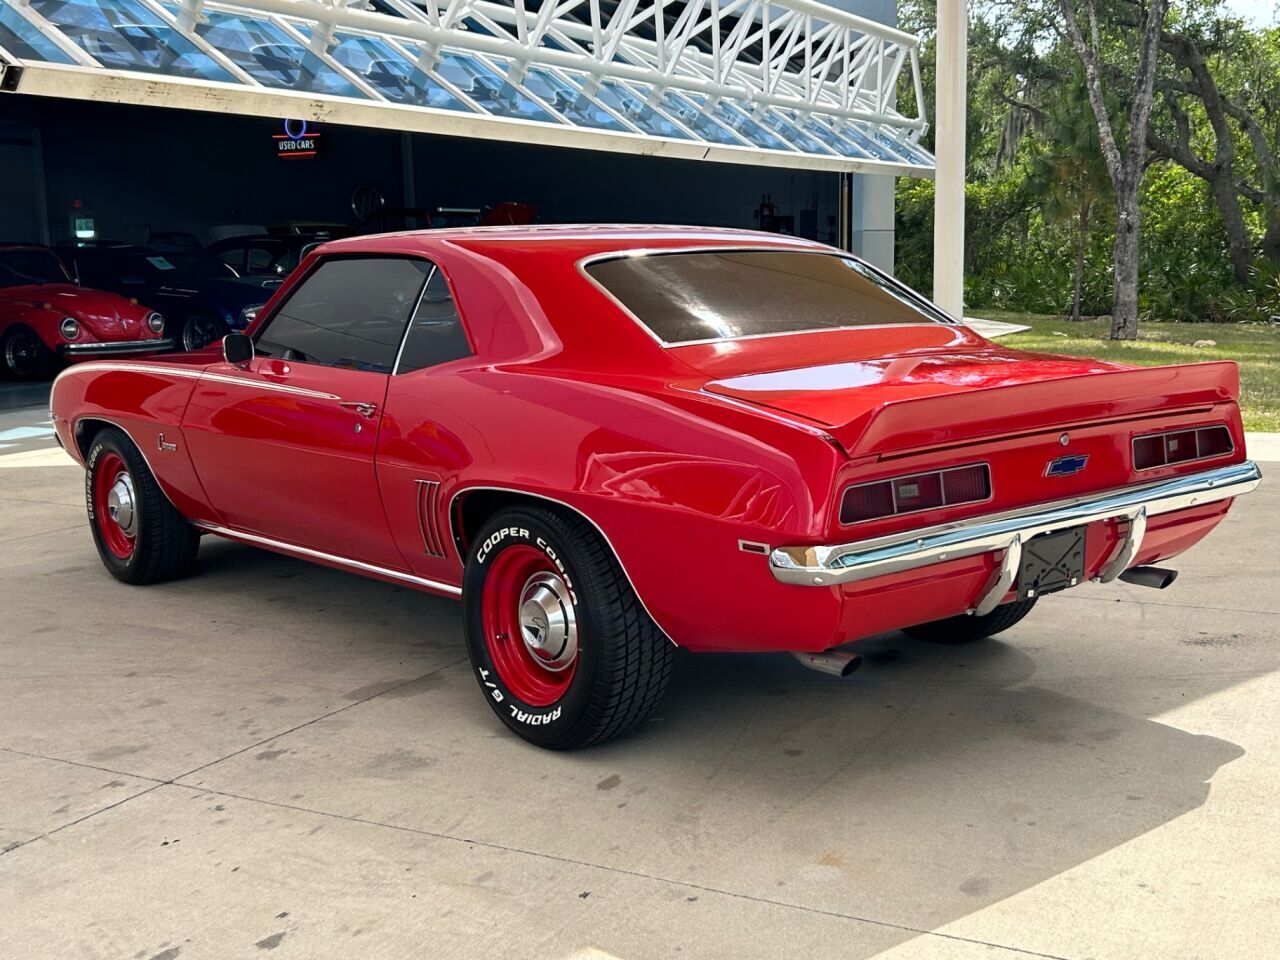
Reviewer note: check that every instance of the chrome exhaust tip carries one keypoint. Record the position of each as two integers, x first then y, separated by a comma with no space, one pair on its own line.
1156,577
835,663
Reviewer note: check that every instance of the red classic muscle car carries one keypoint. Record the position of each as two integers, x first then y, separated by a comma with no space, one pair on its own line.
610,441
44,316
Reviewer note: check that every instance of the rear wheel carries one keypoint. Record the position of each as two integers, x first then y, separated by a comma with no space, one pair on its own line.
564,653
966,629
25,356
140,535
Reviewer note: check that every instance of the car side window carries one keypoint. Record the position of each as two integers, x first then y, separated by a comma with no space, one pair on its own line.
233,257
436,334
349,312
261,259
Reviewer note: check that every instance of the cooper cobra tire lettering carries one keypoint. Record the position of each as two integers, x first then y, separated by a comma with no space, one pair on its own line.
89,502
496,538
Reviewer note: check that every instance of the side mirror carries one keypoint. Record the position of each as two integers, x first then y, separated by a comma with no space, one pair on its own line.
237,349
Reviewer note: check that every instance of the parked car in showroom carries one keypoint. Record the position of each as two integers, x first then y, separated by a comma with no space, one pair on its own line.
201,297
271,255
611,441
45,318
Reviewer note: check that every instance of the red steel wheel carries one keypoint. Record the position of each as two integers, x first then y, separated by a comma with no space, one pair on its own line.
117,507
531,629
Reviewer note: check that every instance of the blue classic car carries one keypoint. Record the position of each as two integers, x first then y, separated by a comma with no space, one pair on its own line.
201,297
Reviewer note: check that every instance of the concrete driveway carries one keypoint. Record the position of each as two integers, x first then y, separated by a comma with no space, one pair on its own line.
272,757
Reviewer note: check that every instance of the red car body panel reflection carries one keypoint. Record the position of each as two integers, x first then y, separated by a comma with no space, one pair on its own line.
687,458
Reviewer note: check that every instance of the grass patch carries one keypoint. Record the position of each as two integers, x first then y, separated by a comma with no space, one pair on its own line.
1255,348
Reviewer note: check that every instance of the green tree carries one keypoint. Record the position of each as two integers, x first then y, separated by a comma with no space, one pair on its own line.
1068,174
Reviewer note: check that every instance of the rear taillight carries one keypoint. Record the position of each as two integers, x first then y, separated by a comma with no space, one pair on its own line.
1179,446
919,491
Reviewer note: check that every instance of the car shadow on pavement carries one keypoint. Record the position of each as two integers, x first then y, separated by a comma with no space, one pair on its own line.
934,782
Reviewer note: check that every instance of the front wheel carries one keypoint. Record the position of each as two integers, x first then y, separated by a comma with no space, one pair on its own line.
562,648
968,628
25,355
140,535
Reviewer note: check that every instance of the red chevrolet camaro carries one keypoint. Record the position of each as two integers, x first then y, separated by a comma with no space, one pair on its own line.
611,441
45,317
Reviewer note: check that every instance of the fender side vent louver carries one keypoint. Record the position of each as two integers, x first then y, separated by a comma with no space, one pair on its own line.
432,544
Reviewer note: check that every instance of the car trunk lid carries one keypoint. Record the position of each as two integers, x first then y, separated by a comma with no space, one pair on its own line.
897,404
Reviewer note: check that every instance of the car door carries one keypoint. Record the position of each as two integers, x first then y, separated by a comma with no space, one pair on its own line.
285,447
431,426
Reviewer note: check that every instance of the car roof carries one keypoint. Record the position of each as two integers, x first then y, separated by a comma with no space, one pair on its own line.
584,239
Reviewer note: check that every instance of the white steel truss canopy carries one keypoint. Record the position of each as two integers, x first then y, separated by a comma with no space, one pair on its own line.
783,83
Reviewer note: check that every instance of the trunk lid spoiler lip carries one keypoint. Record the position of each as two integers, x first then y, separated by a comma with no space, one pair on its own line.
884,427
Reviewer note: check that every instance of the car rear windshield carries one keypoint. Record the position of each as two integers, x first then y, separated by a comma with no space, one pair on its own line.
722,294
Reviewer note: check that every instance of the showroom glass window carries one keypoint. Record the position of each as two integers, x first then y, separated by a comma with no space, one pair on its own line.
349,312
436,334
126,35
721,294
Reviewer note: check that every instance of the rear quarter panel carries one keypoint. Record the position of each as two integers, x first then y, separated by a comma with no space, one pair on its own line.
673,484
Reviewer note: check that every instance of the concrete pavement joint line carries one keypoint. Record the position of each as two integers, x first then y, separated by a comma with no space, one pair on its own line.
42,533
92,813
307,723
156,784
1181,606
42,503
88,766
919,931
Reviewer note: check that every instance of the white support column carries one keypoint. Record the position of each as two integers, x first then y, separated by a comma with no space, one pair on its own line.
949,147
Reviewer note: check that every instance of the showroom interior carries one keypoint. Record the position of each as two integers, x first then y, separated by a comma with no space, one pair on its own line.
126,160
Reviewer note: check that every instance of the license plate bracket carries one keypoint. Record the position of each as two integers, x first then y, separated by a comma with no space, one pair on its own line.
1051,562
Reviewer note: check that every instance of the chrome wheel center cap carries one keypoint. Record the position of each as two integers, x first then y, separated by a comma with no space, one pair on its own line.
120,504
547,622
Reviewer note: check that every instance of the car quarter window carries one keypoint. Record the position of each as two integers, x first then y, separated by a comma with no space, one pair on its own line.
233,257
722,294
348,312
436,334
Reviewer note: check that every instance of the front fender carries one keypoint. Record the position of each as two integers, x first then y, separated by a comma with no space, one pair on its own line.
143,400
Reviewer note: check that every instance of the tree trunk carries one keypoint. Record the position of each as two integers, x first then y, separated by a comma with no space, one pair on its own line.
1124,307
1125,167
1238,245
1271,239
1077,291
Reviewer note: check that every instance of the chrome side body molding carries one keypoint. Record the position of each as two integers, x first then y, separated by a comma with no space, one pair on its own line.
829,565
308,554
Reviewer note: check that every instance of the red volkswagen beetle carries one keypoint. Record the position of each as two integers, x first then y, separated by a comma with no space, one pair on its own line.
612,441
45,317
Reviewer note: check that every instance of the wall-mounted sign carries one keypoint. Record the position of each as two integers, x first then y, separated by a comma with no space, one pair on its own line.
299,141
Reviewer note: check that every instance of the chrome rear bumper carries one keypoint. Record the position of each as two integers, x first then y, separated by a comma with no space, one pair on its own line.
825,566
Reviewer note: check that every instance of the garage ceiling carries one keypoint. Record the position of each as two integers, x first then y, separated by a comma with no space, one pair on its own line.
781,83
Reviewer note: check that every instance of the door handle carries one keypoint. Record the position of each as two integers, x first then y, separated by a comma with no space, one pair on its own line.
364,408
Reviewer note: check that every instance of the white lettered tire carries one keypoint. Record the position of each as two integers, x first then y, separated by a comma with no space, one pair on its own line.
563,651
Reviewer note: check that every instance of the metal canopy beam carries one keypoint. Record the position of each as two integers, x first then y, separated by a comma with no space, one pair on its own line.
783,83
